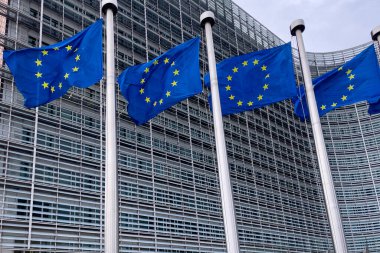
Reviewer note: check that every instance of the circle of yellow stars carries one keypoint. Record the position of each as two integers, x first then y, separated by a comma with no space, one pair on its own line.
265,87
350,87
168,92
40,63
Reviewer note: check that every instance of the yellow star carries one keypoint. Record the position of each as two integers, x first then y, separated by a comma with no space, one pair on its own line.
344,98
56,48
142,81
68,48
350,87
60,85
228,87
260,97
323,107
176,72
52,89
232,97
240,103
229,78
255,62
147,99
166,61
263,68
155,103
267,76
235,69
168,94
245,63
75,69
77,58
161,101
351,77
174,83
348,71
173,63
250,103
66,75
45,85
266,86
44,52
155,62
146,70
141,91
339,69
38,62
334,104
38,74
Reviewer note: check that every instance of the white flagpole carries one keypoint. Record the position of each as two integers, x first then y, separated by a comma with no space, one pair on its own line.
111,210
375,34
296,29
207,21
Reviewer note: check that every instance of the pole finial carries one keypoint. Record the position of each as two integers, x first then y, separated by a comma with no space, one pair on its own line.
375,33
207,17
109,4
297,24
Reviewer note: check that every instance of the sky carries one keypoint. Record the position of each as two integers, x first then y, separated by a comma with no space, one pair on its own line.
331,25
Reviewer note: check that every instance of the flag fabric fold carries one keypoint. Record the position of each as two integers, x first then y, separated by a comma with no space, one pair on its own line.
153,87
357,80
374,107
255,80
47,73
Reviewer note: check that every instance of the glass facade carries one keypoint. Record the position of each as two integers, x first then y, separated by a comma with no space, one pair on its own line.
52,193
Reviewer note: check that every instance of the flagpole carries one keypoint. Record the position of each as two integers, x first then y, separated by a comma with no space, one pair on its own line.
375,34
111,210
207,20
296,29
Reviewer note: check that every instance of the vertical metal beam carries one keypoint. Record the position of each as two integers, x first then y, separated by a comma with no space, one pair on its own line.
101,242
207,20
111,211
35,144
296,29
101,117
189,126
150,132
6,161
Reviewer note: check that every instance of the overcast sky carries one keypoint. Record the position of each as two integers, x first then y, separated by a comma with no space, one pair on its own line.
330,24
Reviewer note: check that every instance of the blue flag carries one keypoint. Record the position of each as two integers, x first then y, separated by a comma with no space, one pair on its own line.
256,79
47,73
374,108
357,80
153,87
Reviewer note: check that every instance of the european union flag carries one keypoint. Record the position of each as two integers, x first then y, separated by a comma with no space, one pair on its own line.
47,73
153,87
355,81
256,79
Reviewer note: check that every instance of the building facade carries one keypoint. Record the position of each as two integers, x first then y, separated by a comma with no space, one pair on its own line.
52,193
